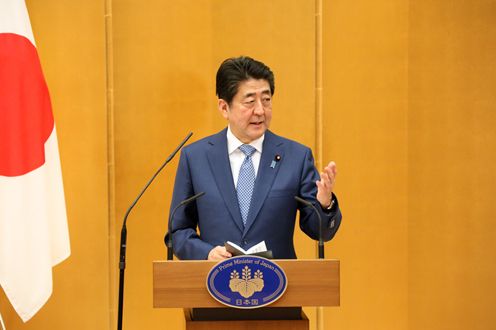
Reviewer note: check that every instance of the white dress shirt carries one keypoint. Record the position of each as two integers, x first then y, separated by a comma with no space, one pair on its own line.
236,156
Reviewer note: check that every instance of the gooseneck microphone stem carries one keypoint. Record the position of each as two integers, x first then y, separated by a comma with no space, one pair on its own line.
170,249
321,240
122,255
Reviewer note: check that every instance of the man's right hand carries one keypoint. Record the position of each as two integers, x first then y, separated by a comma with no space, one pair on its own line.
219,253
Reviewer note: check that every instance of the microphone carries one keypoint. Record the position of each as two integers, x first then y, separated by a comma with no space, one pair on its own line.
321,241
122,256
168,237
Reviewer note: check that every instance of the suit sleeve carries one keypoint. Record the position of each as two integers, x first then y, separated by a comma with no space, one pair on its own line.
186,241
309,222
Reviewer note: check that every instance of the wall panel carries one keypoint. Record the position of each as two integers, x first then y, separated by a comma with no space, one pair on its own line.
70,39
162,89
365,131
166,55
452,181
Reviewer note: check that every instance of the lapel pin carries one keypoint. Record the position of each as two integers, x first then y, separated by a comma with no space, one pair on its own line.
274,162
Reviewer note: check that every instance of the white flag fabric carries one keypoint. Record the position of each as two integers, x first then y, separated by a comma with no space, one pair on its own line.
33,223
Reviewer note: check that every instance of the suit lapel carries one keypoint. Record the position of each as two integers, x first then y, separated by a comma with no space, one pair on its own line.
265,177
220,166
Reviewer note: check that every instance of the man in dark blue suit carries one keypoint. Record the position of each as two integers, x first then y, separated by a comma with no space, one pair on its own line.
250,177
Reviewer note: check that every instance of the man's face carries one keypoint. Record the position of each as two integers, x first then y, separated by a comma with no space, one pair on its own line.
250,111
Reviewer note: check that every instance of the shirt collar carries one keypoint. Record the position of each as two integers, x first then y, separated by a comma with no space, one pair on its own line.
233,142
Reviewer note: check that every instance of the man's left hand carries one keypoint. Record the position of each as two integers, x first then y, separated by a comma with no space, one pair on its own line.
325,185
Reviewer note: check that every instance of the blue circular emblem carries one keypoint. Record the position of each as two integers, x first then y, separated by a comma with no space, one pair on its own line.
246,282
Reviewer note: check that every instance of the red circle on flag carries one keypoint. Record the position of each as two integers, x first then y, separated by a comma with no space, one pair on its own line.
26,119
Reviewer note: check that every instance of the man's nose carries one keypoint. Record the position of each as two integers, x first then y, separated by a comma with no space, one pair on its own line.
259,109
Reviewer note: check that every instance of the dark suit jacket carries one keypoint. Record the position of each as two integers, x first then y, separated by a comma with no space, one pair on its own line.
204,167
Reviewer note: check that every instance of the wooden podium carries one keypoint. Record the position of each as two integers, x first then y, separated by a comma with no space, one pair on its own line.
182,284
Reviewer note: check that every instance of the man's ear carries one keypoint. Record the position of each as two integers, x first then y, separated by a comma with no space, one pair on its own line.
223,107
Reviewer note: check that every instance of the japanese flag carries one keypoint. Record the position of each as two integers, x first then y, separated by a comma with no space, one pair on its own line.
33,223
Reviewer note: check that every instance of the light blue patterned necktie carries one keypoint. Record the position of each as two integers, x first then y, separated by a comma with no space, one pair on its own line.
246,181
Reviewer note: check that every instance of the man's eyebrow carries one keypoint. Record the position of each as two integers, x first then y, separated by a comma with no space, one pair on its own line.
265,91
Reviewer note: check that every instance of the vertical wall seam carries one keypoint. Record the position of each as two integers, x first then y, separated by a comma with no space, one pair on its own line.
318,115
408,157
318,84
109,66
